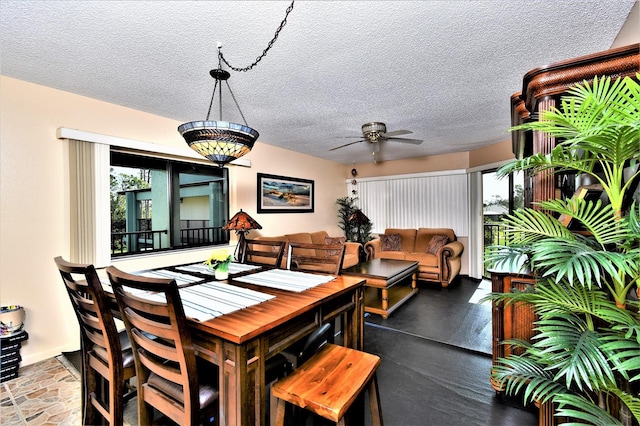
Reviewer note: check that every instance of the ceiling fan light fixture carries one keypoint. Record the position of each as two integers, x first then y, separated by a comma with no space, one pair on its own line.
372,131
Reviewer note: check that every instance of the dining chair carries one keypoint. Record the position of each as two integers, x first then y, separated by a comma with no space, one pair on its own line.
325,258
263,252
169,376
105,351
328,383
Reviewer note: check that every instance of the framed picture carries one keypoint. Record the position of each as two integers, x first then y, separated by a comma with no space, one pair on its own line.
281,194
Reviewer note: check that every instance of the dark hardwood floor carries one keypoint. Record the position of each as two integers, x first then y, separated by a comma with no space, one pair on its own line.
436,358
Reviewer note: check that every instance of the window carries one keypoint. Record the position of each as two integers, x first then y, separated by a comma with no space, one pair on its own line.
500,197
159,204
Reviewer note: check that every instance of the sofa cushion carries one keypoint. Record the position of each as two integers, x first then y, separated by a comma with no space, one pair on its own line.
318,237
397,255
334,241
424,259
274,249
304,238
436,243
424,235
407,238
391,242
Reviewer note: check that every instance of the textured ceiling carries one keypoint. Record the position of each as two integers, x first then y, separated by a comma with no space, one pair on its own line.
442,69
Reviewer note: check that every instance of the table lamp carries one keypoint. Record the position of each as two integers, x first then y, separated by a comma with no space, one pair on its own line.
358,219
242,223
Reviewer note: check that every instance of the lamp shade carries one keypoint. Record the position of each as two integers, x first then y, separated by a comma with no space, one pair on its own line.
358,217
241,222
219,141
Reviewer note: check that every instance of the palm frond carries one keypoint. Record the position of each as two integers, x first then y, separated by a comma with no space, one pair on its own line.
578,407
517,374
573,352
507,258
527,225
600,221
577,262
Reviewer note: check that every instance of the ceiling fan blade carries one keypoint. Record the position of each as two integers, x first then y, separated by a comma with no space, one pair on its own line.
397,133
413,141
347,144
349,137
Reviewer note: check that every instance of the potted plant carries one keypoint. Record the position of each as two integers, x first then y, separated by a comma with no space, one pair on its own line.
218,262
585,356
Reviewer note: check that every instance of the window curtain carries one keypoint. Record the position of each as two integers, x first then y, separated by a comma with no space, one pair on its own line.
89,203
476,226
421,201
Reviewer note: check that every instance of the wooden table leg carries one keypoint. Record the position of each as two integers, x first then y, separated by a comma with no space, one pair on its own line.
385,301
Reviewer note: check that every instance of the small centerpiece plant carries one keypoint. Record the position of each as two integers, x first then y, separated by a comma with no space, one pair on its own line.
218,262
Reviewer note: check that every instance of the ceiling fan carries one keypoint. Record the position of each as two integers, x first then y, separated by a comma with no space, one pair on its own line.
375,133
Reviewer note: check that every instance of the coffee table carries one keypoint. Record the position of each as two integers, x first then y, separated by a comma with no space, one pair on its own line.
383,295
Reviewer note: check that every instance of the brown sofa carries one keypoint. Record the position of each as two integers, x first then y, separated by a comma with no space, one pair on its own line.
441,265
351,252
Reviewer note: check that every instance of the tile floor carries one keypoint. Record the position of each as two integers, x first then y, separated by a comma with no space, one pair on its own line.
47,393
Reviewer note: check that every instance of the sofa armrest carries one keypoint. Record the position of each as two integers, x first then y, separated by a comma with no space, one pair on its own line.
451,249
372,248
449,261
352,247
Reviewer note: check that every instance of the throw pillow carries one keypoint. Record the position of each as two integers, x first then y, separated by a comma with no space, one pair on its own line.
334,241
391,242
436,243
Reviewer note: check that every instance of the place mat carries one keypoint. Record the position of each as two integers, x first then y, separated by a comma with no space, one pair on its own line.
284,279
181,279
208,300
234,268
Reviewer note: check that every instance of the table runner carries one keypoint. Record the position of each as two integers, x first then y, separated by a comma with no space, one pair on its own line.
284,279
234,268
181,279
207,300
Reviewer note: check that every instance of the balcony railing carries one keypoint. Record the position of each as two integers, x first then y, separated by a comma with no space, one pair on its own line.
203,236
494,234
126,243
136,242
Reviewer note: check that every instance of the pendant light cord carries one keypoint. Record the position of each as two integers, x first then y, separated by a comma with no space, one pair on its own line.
264,52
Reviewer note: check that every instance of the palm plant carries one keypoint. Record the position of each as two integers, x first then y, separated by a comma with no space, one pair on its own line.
587,346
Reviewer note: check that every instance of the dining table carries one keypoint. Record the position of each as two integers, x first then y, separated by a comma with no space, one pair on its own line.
256,313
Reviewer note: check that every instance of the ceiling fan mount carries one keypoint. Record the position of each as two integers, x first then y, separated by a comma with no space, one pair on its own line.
375,132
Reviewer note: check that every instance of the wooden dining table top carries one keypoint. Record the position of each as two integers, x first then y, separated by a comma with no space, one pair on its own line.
250,322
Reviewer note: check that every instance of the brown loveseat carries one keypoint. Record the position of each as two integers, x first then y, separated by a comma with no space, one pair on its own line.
351,252
439,257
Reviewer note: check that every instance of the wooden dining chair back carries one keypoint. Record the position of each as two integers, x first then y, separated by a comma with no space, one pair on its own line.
328,384
324,258
106,353
168,375
263,252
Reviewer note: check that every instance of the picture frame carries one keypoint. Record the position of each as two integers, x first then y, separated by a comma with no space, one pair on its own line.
283,194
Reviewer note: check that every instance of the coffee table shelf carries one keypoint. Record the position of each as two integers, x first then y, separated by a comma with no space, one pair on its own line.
386,287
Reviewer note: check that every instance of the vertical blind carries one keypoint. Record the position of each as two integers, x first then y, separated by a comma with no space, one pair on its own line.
416,201
89,199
